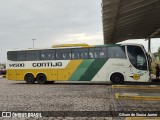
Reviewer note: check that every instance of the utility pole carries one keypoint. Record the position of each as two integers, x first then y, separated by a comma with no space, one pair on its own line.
33,42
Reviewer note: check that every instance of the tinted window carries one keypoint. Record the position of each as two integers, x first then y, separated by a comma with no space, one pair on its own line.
91,53
137,57
81,53
47,55
75,53
12,55
116,52
99,52
63,54
32,55
21,56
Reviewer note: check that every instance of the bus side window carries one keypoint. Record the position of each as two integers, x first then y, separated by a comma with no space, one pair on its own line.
12,55
116,52
47,55
122,53
63,54
59,55
100,52
103,52
33,55
111,52
20,56
91,53
97,52
83,53
52,54
42,56
67,54
75,54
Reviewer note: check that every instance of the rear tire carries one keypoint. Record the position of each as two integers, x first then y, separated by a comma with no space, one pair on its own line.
117,78
41,78
29,78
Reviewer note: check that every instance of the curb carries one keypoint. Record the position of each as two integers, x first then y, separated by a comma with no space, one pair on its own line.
133,96
151,87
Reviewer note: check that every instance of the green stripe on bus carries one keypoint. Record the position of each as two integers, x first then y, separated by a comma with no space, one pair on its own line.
93,70
82,68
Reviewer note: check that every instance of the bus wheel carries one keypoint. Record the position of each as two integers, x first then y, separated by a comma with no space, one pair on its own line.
41,78
117,78
29,78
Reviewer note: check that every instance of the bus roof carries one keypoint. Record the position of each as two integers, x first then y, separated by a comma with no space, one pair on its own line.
65,46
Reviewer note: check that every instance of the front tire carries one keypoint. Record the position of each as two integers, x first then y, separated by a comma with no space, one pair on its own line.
41,78
29,78
117,78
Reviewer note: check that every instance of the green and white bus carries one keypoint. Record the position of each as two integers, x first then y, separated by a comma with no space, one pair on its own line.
114,62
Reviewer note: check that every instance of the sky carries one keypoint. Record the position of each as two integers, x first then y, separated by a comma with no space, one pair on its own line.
51,22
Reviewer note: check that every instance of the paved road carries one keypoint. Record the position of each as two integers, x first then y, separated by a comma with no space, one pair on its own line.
18,96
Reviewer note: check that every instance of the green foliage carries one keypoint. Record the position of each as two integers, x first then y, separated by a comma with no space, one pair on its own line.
153,70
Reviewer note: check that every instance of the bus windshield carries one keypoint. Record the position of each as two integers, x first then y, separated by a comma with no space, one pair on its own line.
137,57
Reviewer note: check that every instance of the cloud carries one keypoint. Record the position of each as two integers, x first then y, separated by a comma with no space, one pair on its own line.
88,38
49,22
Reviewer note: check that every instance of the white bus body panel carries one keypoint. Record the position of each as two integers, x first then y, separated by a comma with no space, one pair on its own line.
124,67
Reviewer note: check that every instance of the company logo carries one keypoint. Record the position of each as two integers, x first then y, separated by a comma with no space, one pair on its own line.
47,64
6,114
21,114
136,76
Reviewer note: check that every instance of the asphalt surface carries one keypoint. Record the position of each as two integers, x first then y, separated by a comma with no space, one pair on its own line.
62,96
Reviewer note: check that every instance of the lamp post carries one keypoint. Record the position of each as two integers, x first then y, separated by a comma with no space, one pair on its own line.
33,42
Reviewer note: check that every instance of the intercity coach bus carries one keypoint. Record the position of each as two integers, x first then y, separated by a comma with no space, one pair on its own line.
114,62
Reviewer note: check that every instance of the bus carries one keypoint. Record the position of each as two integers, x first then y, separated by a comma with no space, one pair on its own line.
116,63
